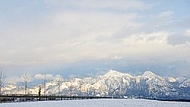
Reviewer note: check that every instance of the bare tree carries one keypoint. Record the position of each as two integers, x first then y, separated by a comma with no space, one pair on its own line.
39,91
2,78
80,87
44,84
89,82
25,82
68,83
59,86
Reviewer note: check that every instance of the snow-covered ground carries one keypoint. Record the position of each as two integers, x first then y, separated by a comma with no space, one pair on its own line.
99,103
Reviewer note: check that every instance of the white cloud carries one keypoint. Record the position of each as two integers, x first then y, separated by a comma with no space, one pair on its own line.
103,4
187,32
71,36
166,14
82,30
67,35
180,39
41,76
47,76
116,57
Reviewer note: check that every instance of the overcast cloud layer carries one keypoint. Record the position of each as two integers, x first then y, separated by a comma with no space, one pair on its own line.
68,37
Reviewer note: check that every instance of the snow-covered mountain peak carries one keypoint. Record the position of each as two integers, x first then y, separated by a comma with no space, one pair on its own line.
171,79
148,73
151,75
112,73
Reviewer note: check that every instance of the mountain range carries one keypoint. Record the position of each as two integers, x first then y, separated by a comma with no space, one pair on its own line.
113,83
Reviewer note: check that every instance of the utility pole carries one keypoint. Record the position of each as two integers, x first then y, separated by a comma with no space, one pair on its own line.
88,86
39,93
120,89
70,88
80,88
44,85
59,86
25,82
2,78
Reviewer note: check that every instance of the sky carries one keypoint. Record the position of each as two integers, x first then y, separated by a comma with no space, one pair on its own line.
89,37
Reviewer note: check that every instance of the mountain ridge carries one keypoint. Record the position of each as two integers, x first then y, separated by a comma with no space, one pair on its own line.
114,83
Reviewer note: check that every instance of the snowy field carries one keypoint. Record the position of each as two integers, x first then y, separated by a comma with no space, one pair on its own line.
99,103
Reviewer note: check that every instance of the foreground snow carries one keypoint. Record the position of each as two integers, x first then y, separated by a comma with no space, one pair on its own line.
99,103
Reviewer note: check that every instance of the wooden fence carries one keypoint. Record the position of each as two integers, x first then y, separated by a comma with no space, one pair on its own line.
23,98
